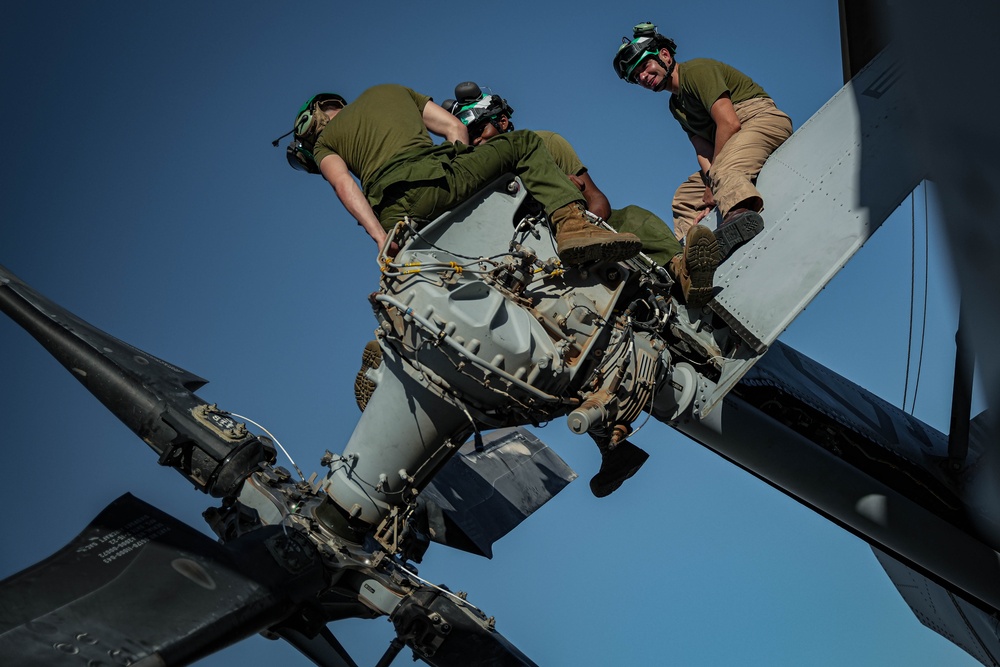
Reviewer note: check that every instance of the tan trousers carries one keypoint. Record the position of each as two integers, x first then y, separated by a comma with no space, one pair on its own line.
763,127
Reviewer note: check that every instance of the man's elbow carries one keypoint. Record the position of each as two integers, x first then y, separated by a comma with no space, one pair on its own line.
458,132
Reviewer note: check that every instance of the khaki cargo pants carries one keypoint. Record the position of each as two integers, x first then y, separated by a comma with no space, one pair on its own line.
763,128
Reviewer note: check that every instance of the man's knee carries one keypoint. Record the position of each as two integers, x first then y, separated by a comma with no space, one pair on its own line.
517,144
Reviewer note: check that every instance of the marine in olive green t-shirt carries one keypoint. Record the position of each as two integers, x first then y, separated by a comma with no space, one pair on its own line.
702,81
382,124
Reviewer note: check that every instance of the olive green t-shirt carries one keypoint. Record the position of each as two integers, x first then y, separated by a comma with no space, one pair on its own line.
562,152
702,82
383,122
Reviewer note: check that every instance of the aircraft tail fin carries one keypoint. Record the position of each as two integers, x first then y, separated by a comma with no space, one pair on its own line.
950,616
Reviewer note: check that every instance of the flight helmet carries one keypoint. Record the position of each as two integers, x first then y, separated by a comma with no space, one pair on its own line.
475,108
645,43
309,122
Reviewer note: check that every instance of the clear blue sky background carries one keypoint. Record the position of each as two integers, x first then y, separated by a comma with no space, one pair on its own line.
140,190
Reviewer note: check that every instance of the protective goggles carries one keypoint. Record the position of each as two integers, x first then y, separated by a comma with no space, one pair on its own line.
478,115
477,127
299,158
480,110
630,55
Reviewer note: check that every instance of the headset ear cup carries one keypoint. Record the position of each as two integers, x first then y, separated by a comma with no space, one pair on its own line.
303,123
310,124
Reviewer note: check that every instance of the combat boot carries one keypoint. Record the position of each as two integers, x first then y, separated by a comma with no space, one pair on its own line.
578,241
694,268
739,226
371,357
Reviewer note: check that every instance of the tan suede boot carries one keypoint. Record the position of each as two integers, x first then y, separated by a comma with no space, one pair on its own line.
694,269
578,241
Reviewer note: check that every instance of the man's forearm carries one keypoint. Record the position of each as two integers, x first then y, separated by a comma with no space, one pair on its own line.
597,201
703,152
443,124
336,173
357,205
727,123
722,135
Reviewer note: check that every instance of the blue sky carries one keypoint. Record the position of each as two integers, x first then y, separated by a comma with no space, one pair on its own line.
140,190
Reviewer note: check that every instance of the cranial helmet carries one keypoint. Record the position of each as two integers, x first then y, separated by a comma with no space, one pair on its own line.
474,108
645,43
309,122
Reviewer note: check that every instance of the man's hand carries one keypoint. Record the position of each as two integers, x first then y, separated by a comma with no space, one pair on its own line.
391,251
709,204
708,198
